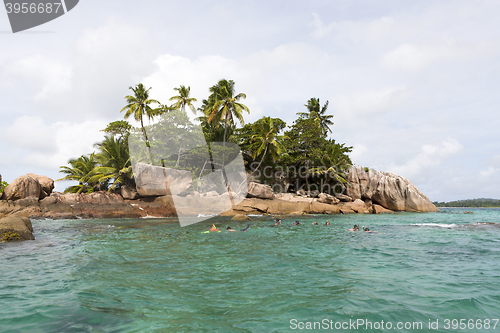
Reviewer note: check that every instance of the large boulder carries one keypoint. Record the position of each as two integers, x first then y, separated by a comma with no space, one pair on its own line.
129,192
13,228
262,191
387,190
327,199
46,184
22,187
157,181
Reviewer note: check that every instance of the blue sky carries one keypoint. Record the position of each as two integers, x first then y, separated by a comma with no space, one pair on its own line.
413,86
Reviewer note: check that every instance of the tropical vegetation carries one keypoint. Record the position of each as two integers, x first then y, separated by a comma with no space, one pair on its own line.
301,154
481,202
3,185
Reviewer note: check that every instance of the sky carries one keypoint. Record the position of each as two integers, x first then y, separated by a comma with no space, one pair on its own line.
413,85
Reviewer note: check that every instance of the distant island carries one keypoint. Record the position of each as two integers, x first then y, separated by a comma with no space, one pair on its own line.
481,202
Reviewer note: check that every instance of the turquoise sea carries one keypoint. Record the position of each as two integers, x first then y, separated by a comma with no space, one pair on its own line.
151,275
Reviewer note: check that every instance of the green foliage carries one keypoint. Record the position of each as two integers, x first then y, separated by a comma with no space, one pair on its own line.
118,128
261,140
304,146
80,170
139,105
223,106
333,162
318,113
113,163
306,142
3,185
183,99
10,236
481,202
312,157
366,169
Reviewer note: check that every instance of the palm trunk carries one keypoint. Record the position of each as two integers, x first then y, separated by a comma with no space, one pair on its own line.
257,168
147,141
224,175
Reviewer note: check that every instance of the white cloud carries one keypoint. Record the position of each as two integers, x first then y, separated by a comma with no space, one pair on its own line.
34,143
411,57
370,102
488,172
320,29
51,77
431,158
349,30
272,75
358,151
30,133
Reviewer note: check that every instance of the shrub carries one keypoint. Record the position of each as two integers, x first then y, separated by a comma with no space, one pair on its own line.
8,236
3,185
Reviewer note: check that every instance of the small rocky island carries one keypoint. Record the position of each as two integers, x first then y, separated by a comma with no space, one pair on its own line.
368,192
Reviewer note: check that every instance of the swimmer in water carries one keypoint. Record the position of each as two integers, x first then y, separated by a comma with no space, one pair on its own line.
230,229
355,228
213,228
248,226
277,222
327,223
315,223
297,223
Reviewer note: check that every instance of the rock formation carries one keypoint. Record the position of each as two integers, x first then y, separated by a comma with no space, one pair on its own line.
28,186
157,181
387,190
46,184
256,190
15,228
128,192
82,205
21,188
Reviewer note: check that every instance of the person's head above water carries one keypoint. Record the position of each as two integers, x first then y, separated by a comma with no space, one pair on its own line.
356,227
228,228
327,223
367,229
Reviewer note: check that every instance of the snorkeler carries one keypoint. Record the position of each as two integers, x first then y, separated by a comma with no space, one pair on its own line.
228,228
276,223
327,223
248,226
315,223
213,228
297,223
355,228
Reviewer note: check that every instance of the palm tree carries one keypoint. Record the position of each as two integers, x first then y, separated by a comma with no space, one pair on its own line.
334,162
114,160
223,105
183,99
266,140
318,113
139,106
80,170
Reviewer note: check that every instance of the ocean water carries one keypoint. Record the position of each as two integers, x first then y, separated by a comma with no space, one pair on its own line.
151,275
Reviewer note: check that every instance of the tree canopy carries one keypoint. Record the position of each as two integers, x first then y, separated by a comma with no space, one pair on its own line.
302,149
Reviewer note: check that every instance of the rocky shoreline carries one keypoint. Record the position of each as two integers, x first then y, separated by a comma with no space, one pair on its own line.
369,192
